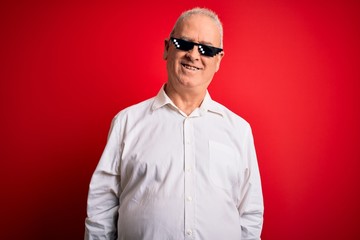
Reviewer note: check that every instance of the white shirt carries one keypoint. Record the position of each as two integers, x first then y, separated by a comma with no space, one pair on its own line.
167,176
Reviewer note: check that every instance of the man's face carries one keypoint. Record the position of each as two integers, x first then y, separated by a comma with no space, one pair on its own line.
188,70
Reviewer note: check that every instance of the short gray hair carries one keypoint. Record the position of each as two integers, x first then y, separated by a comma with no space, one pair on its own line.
200,11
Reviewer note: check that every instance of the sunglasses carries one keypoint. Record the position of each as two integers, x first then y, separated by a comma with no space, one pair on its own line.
205,50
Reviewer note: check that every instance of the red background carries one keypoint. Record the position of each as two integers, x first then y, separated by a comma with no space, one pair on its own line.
291,69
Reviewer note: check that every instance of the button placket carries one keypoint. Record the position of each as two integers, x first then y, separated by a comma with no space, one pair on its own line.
189,179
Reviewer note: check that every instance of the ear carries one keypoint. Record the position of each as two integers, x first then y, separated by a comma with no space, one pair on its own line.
219,58
166,49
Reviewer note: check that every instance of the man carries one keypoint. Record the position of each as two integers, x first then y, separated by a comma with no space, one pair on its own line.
179,165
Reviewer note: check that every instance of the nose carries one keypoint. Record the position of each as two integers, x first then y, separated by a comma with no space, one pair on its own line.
193,54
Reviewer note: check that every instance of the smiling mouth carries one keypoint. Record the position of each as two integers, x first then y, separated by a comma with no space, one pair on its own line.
192,68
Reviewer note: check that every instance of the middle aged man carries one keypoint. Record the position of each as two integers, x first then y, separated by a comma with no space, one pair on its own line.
179,165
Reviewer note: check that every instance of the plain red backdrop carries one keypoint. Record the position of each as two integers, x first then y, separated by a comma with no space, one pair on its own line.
291,69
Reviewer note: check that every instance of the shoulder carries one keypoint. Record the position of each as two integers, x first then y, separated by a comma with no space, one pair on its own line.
234,119
136,111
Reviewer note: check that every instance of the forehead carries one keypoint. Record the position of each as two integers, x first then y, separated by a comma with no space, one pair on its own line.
199,28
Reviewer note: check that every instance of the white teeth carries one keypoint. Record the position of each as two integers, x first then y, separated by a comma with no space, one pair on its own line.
190,67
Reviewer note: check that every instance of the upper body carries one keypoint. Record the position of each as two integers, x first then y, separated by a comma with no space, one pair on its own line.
179,165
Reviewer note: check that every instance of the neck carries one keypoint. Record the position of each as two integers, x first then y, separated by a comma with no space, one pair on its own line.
186,101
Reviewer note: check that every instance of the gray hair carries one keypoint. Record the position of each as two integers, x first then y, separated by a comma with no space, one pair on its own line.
200,11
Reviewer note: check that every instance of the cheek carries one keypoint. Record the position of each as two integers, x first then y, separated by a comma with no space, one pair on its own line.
170,61
211,68
173,58
173,67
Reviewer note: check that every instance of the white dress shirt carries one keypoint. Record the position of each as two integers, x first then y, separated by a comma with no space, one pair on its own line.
167,176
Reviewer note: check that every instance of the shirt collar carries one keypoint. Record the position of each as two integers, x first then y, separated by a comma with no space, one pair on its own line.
207,105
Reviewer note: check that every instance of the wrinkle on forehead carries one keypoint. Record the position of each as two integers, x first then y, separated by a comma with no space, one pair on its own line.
196,40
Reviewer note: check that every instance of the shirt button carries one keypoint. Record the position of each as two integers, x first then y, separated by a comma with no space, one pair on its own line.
189,232
189,198
188,169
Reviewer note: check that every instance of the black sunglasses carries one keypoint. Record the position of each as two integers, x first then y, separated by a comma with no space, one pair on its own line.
203,49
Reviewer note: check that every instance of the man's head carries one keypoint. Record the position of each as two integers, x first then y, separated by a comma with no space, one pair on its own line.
193,52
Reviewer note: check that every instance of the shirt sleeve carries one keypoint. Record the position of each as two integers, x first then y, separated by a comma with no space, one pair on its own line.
103,196
251,206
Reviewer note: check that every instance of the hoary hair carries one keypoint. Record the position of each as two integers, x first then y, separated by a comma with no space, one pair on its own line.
201,11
